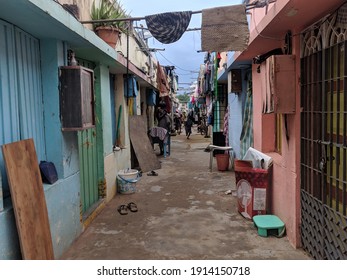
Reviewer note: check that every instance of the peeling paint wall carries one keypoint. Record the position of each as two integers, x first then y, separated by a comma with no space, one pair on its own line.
84,7
9,242
120,159
136,56
63,197
63,206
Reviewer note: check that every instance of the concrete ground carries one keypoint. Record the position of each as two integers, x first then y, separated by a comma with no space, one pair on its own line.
183,213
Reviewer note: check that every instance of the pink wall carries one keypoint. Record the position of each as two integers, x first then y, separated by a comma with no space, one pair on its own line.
286,179
264,126
285,189
258,15
257,108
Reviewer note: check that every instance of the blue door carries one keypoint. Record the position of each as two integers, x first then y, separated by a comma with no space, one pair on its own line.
20,93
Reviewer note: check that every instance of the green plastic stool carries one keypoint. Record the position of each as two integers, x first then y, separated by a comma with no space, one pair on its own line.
269,223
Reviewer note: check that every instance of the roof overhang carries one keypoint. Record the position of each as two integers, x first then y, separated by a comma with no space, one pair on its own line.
49,20
294,15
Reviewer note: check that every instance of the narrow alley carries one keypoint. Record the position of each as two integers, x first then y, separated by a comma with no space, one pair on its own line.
183,213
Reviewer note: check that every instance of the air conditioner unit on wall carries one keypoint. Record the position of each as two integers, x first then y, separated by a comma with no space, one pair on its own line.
77,111
236,80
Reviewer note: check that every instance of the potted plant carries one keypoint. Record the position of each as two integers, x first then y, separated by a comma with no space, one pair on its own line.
108,31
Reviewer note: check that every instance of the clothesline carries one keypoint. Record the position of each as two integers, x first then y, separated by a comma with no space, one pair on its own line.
124,19
189,29
257,4
169,27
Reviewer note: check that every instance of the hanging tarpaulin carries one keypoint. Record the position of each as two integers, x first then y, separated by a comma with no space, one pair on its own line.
168,27
224,29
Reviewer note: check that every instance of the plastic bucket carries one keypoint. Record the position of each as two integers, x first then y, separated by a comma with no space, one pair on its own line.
222,162
126,181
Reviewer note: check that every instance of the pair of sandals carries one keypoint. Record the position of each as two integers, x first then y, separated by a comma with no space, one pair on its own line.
152,173
123,209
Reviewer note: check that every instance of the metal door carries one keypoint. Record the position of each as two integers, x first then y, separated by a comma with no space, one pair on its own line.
88,157
88,168
21,103
324,140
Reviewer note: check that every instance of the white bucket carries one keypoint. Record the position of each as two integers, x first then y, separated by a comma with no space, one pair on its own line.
126,181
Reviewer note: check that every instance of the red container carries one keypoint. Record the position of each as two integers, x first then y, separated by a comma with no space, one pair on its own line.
222,162
253,191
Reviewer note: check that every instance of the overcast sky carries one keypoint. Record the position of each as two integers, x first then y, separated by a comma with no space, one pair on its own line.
183,53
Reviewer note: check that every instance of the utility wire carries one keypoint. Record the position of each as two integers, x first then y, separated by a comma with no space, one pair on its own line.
174,64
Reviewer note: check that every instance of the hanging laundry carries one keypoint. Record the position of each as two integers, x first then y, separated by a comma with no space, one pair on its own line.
226,126
162,82
224,29
246,137
168,27
132,106
151,97
130,86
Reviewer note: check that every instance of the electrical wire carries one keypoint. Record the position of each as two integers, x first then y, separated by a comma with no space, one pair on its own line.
259,33
186,74
173,64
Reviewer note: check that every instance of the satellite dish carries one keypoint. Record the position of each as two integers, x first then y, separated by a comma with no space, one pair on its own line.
244,195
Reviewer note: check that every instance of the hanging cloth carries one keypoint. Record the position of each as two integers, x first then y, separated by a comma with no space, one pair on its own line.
226,126
151,97
132,84
162,83
246,138
132,106
224,29
168,27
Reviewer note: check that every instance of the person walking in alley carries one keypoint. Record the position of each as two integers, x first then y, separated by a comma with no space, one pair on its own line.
164,121
189,123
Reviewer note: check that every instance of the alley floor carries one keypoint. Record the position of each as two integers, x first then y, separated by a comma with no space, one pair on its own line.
183,213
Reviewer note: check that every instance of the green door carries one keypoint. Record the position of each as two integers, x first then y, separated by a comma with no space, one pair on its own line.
88,168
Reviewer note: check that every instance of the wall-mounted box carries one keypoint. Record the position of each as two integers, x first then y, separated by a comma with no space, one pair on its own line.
236,80
77,110
282,78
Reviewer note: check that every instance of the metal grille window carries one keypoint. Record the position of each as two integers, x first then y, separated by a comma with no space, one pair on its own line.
221,105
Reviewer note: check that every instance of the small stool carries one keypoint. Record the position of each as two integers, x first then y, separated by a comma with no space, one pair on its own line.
266,223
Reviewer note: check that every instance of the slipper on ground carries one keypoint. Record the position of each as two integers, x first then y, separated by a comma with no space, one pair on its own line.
152,173
123,209
132,207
